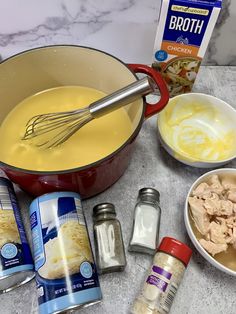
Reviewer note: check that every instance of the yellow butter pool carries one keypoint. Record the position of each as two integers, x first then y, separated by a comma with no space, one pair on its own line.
197,131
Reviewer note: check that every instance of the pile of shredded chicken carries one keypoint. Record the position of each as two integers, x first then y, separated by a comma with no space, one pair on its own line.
213,208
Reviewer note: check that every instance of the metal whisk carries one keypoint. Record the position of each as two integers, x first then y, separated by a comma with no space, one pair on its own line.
70,122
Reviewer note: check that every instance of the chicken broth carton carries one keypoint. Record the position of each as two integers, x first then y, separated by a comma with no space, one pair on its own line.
184,31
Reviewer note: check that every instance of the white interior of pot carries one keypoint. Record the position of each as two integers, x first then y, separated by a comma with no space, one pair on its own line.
44,68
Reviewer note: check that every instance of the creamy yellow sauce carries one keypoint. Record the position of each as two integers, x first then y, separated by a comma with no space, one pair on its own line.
197,131
96,140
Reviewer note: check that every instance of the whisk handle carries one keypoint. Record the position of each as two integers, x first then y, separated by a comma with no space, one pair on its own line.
122,97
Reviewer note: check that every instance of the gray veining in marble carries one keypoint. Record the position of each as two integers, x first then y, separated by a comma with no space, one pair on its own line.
204,290
222,46
125,28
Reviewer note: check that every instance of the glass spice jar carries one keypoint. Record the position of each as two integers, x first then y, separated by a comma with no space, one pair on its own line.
109,246
165,275
146,224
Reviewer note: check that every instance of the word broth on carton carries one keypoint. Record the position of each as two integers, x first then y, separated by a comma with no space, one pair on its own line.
184,31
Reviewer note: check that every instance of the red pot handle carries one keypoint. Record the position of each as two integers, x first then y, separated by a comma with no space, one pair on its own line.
151,109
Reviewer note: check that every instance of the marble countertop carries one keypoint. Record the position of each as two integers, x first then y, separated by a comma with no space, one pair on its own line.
124,28
204,289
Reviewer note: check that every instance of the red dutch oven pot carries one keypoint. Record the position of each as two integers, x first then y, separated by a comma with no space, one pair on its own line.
35,70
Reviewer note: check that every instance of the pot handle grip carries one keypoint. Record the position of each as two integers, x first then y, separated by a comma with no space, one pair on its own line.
151,109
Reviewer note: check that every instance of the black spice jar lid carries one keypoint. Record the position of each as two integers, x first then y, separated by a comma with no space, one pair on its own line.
104,208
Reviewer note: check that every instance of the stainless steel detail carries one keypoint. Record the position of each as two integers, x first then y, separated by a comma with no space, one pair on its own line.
69,122
122,97
15,280
146,222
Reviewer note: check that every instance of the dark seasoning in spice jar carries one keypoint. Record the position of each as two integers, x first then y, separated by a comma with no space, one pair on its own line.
109,246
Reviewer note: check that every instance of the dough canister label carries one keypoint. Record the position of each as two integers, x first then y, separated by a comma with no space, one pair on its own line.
15,255
65,270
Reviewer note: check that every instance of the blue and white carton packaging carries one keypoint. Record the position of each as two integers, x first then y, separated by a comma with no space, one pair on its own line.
183,33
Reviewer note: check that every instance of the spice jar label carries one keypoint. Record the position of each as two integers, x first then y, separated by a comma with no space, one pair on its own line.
159,278
161,271
164,278
168,298
159,283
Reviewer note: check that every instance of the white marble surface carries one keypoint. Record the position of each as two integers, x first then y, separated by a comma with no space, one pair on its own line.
125,28
222,47
204,290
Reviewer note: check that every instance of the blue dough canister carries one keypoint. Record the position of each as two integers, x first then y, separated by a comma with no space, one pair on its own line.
66,274
16,264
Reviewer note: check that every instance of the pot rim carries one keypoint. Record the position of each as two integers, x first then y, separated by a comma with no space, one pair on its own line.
91,165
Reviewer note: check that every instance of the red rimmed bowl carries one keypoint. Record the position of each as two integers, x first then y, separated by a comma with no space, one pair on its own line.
39,69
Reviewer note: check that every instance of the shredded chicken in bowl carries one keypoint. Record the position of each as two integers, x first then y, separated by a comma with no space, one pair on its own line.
213,210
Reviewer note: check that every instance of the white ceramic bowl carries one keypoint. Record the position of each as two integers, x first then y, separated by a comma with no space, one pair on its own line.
215,120
191,234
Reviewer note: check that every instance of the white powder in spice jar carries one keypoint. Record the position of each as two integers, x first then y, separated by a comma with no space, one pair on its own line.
145,226
140,307
147,214
164,277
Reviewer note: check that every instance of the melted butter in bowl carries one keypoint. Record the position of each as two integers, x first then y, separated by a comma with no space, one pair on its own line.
198,128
